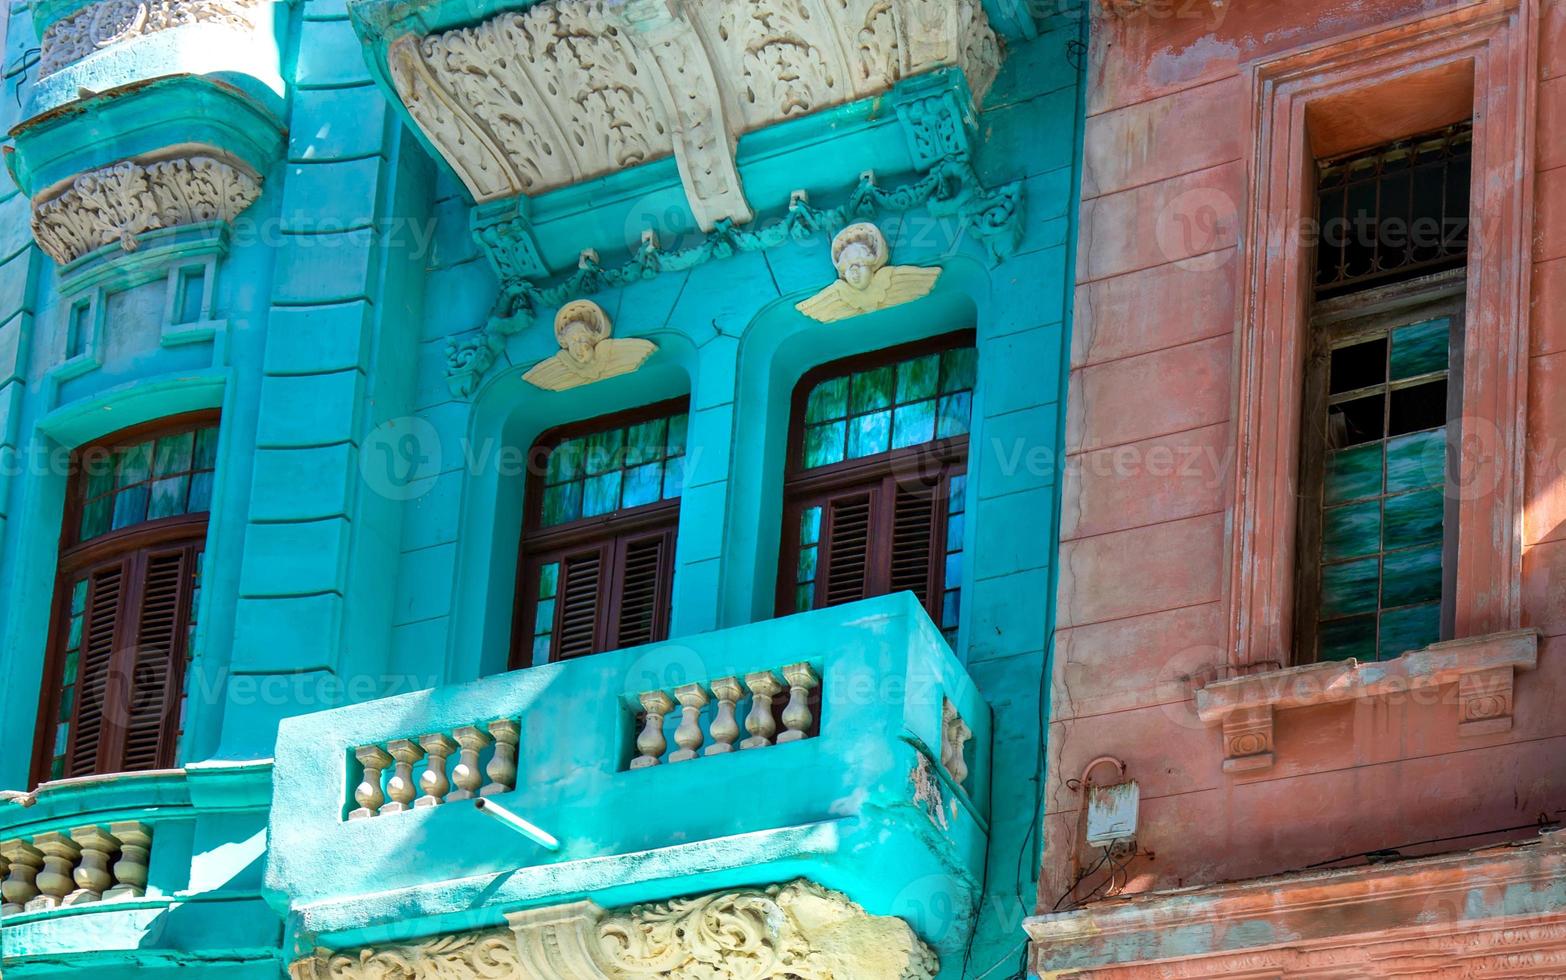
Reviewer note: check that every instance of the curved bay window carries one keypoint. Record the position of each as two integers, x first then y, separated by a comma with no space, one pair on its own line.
602,507
876,480
125,600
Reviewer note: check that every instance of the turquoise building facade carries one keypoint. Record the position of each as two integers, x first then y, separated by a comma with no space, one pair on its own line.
292,532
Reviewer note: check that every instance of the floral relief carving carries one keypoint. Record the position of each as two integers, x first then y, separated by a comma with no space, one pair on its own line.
488,955
779,55
110,22
124,200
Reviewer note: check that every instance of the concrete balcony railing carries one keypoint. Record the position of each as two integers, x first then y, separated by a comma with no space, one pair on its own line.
845,746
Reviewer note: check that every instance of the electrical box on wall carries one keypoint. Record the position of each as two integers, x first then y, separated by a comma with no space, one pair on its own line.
1112,813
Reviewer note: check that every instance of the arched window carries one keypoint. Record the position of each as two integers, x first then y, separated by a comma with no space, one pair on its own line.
876,478
125,600
602,506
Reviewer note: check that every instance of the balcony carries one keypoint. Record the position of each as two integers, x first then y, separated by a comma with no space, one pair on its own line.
845,746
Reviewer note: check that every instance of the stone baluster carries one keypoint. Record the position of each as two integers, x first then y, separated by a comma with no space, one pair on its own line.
130,871
401,787
467,775
368,794
437,749
796,716
955,734
20,885
725,729
502,769
759,721
651,743
692,698
92,876
56,880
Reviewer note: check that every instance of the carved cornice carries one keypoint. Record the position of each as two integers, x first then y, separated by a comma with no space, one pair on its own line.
532,100
798,931
123,200
110,22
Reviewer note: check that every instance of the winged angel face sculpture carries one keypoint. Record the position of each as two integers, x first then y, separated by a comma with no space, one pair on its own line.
588,351
865,281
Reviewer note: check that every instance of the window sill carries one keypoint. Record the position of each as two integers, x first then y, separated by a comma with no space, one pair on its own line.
1482,668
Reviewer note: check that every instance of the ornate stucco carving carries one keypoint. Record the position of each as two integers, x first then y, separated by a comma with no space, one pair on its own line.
119,202
537,99
865,281
109,22
588,350
797,931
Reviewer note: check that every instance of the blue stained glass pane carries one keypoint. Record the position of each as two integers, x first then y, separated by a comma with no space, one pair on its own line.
200,493
827,401
644,441
1416,461
1411,628
562,504
604,451
958,369
1349,587
951,608
544,619
955,414
1413,519
130,507
870,434
541,649
957,499
954,532
678,424
1351,530
954,570
824,444
871,390
73,638
601,494
174,454
548,580
810,525
913,424
206,449
79,597
673,478
1420,348
1347,638
565,461
1411,576
61,735
168,498
807,565
804,598
918,378
643,485
135,464
1354,473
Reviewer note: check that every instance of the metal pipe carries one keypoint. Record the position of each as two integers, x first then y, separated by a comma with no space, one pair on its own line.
527,829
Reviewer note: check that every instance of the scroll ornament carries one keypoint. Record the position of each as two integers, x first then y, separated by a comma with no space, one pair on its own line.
865,281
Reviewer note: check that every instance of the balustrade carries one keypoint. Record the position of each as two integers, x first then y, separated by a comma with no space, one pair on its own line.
453,769
759,694
76,867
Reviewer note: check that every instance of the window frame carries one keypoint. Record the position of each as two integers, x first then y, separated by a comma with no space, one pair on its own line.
538,545
131,547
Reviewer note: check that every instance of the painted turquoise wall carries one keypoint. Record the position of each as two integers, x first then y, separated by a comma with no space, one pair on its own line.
337,576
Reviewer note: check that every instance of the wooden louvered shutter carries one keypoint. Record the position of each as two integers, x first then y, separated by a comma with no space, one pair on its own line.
644,572
100,631
913,542
579,608
155,661
847,534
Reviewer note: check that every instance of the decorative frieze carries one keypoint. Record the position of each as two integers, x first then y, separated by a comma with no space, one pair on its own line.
117,203
779,933
564,91
111,22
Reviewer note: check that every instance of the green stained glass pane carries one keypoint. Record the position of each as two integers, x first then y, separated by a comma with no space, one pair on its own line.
678,424
67,704
605,451
68,675
95,517
643,485
135,464
73,636
807,565
804,598
1351,530
810,525
541,649
168,497
1417,460
869,434
1420,348
1349,587
565,461
913,424
601,494
954,414
957,369
57,766
918,379
673,478
957,498
828,400
200,493
99,470
951,609
78,597
1345,638
174,454
544,617
954,570
954,532
824,443
1410,628
644,441
1414,519
130,507
206,449
871,390
1354,473
562,503
1411,576
548,580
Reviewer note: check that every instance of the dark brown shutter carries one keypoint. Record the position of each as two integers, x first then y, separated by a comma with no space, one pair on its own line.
105,590
845,533
579,609
155,661
644,593
913,542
